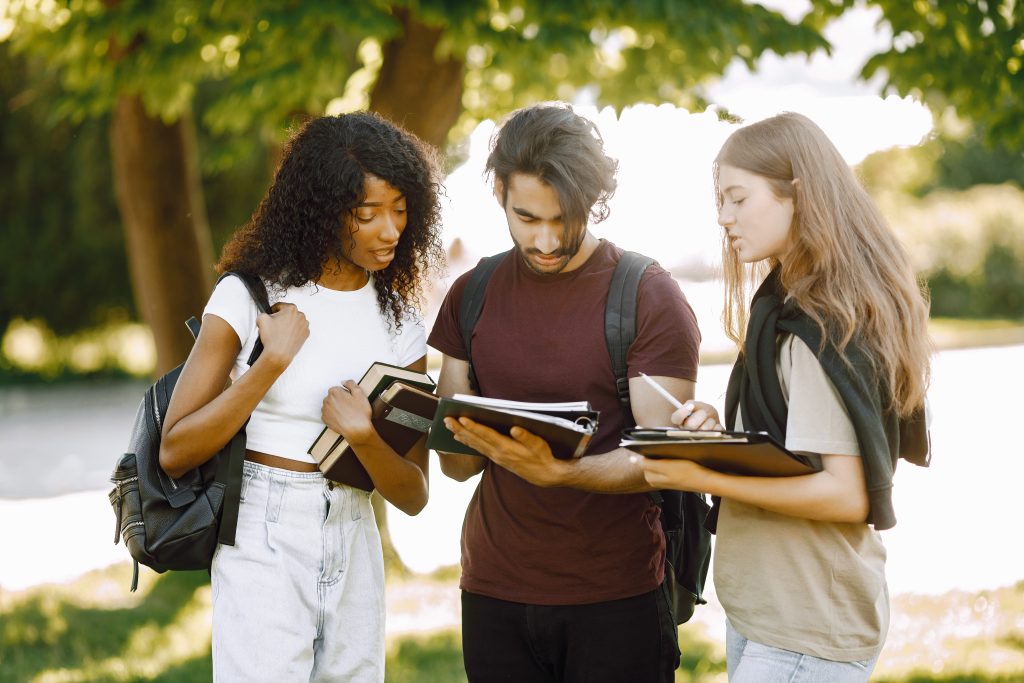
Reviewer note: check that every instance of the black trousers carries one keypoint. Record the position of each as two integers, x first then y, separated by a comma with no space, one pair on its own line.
632,640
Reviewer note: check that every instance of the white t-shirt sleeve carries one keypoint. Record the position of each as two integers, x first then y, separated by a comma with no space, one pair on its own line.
411,344
818,421
232,303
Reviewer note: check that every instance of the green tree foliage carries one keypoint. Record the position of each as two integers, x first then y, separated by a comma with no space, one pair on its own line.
63,258
968,160
276,60
248,69
968,54
995,290
968,245
950,160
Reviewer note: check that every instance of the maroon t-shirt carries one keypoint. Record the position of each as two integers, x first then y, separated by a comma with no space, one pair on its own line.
541,338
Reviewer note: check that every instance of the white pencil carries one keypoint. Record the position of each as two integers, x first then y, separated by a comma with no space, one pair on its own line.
661,390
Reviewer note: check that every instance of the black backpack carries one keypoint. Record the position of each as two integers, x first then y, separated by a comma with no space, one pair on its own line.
177,523
687,542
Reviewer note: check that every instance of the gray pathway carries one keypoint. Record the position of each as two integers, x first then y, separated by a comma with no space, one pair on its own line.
63,439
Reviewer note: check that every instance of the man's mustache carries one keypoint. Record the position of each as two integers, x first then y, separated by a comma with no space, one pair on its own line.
557,252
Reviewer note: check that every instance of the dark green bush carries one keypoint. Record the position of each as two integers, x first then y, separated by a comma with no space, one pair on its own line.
995,290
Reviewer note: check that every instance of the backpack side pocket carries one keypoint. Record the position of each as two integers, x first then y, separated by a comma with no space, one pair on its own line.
124,498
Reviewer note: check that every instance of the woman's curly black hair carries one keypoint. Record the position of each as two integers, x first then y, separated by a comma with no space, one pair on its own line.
298,225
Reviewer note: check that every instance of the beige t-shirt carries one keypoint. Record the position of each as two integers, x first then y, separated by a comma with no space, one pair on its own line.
812,587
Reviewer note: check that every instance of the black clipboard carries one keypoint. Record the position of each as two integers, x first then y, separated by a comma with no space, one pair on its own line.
746,453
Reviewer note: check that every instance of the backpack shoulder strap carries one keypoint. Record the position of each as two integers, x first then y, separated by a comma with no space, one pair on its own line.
620,320
253,283
229,464
258,292
473,303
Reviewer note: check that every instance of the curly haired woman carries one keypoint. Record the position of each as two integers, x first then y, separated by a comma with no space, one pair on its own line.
343,240
834,361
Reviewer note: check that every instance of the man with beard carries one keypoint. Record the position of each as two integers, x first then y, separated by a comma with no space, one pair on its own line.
562,560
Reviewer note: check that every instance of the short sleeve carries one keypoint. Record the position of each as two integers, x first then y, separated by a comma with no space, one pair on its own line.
818,421
667,337
412,340
232,303
446,336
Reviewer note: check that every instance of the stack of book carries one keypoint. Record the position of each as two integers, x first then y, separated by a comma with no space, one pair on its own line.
403,406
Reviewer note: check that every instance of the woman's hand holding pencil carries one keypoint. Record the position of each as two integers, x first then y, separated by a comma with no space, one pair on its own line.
689,415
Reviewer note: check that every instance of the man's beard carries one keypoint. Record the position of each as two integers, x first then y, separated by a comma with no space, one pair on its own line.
565,253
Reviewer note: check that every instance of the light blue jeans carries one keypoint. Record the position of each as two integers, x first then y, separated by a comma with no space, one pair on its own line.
751,662
300,596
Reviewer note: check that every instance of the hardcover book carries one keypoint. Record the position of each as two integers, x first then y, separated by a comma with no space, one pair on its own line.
376,379
567,427
401,415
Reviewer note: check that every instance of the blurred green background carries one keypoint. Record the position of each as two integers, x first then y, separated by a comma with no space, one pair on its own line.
137,136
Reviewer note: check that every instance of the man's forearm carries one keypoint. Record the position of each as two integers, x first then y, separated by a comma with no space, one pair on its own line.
610,472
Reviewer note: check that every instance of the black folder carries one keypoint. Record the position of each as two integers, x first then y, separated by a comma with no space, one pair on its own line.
747,453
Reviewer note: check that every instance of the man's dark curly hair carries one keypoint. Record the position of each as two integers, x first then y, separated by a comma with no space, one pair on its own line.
562,148
299,224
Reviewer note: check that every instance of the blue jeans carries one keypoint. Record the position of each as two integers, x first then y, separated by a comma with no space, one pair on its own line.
751,662
300,596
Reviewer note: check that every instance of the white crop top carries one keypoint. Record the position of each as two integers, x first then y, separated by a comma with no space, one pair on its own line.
347,333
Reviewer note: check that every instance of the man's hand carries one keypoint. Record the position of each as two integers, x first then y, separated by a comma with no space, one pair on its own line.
524,454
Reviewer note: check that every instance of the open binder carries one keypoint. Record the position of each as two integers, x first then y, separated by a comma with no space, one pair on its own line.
746,453
567,427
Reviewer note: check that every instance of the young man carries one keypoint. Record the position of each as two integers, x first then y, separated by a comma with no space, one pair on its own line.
562,561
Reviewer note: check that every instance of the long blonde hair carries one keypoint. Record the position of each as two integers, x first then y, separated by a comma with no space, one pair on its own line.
844,268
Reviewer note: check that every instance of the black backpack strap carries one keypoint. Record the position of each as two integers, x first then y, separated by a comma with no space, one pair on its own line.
620,321
229,471
229,468
682,513
620,329
258,292
473,303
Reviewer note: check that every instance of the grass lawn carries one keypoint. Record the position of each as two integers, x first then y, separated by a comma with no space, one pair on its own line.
960,333
93,629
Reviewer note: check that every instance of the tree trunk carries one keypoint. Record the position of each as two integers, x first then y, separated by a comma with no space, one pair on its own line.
416,89
170,252
423,95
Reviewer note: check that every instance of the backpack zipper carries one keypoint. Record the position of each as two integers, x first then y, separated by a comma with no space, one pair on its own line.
119,482
129,525
156,410
159,429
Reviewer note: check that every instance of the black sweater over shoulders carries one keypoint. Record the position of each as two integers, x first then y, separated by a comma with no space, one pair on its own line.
754,386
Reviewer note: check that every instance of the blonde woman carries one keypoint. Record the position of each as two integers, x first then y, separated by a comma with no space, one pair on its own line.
834,361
